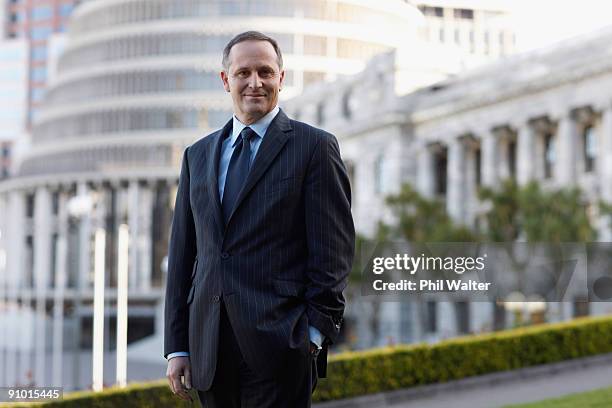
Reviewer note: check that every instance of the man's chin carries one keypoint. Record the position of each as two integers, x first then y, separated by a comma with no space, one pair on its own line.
257,110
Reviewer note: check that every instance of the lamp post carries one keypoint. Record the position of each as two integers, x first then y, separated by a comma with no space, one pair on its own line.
122,305
98,316
79,207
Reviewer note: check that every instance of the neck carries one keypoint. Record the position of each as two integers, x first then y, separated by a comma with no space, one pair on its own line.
249,119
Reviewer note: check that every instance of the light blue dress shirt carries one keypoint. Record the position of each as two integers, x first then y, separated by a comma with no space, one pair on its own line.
227,148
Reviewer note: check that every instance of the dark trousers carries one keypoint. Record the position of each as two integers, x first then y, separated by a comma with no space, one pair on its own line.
236,386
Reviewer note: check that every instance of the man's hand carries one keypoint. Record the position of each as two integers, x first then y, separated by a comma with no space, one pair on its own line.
314,349
179,367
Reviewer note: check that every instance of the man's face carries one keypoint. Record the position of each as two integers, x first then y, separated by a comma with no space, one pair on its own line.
253,79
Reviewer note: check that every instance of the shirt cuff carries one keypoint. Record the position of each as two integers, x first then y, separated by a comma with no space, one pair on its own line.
315,336
177,354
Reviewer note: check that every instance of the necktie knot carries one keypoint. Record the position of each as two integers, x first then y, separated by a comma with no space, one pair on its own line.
247,134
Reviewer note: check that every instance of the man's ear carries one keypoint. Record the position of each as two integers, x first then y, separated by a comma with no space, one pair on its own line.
282,80
225,80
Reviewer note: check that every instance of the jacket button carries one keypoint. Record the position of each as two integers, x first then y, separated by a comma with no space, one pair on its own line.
215,298
224,255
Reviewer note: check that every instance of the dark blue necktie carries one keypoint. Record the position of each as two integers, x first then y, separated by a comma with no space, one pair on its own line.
237,171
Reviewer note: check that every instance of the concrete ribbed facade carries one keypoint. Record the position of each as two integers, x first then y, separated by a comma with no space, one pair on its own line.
139,81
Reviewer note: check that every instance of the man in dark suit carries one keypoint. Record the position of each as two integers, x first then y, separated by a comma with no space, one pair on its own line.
261,247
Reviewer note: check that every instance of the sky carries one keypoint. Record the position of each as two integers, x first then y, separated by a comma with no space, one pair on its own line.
544,22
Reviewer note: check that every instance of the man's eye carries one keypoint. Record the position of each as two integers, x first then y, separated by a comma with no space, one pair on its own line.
242,74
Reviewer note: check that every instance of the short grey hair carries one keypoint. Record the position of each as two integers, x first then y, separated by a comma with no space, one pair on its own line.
251,36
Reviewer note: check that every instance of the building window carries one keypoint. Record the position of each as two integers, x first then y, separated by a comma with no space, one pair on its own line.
457,36
39,74
464,14
581,307
39,53
462,314
549,155
499,316
379,174
55,198
346,104
315,45
65,9
313,77
30,205
478,165
38,94
441,34
512,159
431,316
40,33
589,148
431,11
320,113
42,13
350,170
440,165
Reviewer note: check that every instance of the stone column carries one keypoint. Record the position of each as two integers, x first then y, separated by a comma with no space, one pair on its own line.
42,266
84,270
15,271
61,264
144,237
5,328
604,169
489,160
525,168
455,197
133,222
565,164
426,172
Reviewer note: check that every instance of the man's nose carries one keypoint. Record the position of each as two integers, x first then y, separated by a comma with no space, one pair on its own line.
255,80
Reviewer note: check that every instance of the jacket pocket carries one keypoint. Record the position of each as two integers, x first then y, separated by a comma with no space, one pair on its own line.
289,287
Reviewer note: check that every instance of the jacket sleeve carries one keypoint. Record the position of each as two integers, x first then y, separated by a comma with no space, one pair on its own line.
181,258
330,236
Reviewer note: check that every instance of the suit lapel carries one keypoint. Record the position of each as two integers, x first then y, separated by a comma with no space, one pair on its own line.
275,138
214,151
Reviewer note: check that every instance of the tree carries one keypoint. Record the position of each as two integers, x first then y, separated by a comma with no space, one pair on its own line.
422,220
536,215
532,214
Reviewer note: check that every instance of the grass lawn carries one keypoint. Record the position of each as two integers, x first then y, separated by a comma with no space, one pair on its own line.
593,399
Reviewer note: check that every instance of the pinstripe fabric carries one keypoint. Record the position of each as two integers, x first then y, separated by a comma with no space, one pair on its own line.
280,264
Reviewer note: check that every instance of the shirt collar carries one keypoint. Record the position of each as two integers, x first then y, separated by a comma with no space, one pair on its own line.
260,127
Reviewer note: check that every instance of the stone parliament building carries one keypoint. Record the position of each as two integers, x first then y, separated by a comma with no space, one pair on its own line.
545,115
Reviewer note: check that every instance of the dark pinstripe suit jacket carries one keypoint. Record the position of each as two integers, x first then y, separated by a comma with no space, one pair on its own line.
280,264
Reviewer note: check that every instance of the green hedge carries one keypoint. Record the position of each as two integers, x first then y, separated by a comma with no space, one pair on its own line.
352,374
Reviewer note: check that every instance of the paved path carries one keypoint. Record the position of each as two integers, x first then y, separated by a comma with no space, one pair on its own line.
496,390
